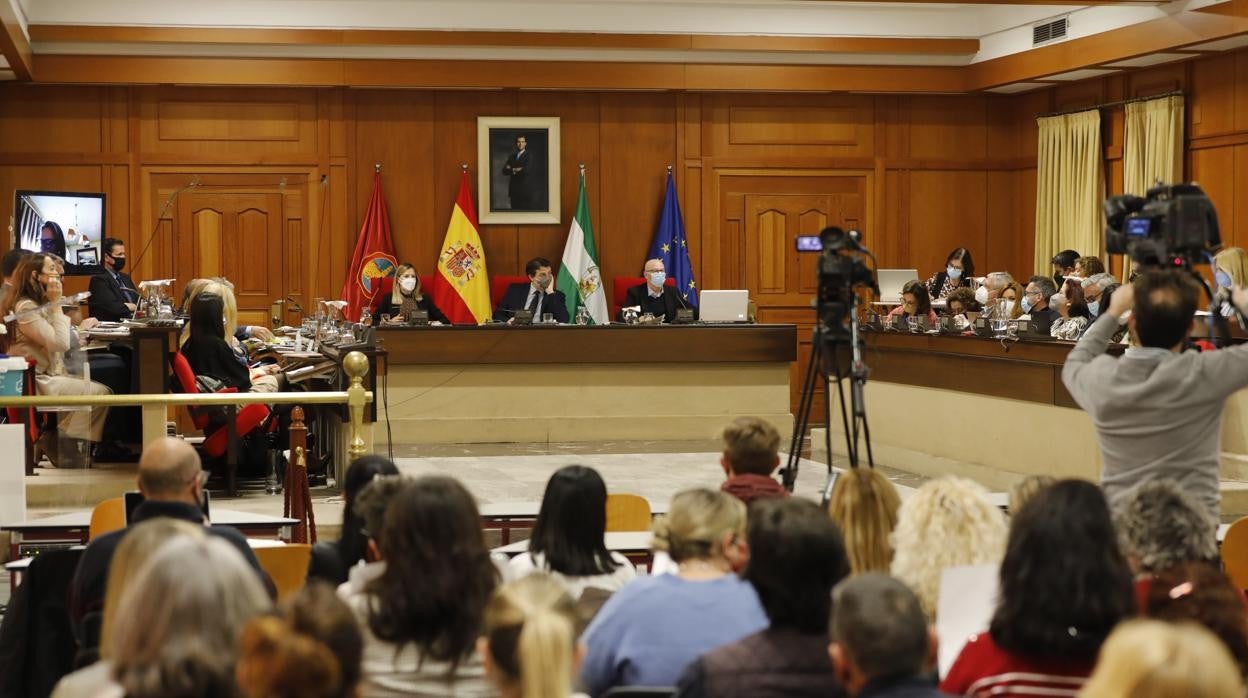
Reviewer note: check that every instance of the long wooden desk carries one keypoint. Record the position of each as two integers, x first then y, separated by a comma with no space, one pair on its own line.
498,383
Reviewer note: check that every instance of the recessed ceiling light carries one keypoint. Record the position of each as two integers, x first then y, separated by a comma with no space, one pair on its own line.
1145,61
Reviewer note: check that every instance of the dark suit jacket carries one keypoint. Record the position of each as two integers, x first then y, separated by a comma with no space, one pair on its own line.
665,306
108,300
518,169
386,307
554,303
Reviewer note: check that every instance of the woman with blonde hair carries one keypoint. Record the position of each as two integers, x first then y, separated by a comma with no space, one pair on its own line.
406,298
528,638
1013,292
1154,659
972,532
864,504
209,345
648,631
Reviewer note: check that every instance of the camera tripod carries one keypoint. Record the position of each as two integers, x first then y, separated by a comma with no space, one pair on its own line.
824,355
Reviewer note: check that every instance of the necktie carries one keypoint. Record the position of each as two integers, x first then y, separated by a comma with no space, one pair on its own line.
535,305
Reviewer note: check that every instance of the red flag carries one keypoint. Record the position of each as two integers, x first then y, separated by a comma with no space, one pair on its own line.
461,288
374,256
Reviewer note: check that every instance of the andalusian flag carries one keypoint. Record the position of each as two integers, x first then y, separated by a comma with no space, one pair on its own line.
579,278
461,288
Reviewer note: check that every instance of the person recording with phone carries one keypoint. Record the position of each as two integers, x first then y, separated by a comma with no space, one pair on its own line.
114,296
406,298
538,296
655,297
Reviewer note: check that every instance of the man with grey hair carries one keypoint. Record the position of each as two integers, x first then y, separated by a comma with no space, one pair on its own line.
881,642
992,288
1161,526
171,480
1093,288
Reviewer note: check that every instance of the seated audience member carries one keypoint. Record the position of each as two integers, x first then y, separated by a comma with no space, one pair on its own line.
882,646
1012,293
1230,270
8,265
1093,289
183,614
421,614
1073,315
42,333
655,296
914,303
994,285
1036,303
114,297
958,272
209,352
1025,489
796,557
864,504
972,530
1063,266
538,296
960,303
370,506
171,480
1087,266
240,332
528,639
1064,585
1159,527
140,544
406,298
751,454
1199,592
312,648
651,629
1151,659
331,560
568,537
1156,397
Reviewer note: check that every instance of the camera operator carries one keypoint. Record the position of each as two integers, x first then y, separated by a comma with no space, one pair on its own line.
1158,409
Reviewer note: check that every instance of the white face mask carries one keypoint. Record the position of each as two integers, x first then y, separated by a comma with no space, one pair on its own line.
953,272
407,283
981,295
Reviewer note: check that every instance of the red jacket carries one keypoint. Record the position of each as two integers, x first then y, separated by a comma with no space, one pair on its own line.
749,487
983,669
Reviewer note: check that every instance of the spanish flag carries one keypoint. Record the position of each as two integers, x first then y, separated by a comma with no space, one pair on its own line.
461,288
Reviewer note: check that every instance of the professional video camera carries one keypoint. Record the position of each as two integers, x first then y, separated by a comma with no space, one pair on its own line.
841,271
1172,226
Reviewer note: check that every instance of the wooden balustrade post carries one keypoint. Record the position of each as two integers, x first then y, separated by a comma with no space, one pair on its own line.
298,498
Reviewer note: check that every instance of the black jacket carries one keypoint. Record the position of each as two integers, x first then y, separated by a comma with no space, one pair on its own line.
109,296
900,687
37,644
517,294
1043,319
774,662
211,356
425,303
666,306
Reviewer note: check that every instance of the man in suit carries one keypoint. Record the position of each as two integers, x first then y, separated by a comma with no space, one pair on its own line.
518,168
538,296
654,297
114,296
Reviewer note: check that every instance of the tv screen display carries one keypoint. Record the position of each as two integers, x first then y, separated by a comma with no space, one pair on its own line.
67,224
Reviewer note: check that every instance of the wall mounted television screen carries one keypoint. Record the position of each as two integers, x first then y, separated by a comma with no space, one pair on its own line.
67,224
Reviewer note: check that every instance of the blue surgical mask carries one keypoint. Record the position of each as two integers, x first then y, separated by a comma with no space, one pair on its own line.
1094,307
1223,279
1026,304
953,273
657,278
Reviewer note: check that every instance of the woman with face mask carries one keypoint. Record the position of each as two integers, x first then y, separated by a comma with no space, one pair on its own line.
406,298
1072,310
958,272
1230,270
1014,293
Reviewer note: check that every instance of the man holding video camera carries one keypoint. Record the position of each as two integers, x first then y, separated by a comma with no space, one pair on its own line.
1158,409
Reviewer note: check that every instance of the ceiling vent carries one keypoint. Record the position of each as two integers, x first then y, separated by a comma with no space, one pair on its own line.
1049,31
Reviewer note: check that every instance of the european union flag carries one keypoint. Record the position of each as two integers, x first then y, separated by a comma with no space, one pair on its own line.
671,246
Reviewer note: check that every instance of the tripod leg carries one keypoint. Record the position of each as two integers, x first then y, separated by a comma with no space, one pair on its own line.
802,419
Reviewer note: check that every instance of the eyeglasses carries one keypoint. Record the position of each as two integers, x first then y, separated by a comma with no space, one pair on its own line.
1032,293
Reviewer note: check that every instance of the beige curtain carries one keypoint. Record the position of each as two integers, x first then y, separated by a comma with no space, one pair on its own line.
1070,187
1153,144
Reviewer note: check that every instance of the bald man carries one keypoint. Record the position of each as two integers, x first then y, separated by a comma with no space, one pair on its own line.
171,479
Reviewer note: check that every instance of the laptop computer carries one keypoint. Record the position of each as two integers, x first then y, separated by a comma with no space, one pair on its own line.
723,306
892,280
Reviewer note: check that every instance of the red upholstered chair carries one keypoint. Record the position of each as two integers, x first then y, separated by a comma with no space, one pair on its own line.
620,288
499,284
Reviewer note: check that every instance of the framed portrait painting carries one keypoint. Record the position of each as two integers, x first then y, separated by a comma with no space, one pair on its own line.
518,169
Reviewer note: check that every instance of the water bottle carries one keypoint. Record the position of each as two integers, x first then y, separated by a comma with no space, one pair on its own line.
582,315
366,317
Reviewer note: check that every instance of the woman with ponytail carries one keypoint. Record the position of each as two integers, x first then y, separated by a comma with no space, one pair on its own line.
528,640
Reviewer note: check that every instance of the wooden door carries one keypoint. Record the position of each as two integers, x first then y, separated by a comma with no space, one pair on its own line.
237,236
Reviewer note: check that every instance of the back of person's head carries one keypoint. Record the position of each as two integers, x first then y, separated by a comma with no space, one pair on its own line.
1025,489
1152,659
1091,265
697,523
528,638
877,626
1160,525
192,289
183,613
864,504
438,574
797,557
1200,592
8,264
571,523
998,280
964,296
371,502
1066,259
311,649
141,541
206,316
167,470
352,542
1045,285
972,532
751,446
1165,303
1064,583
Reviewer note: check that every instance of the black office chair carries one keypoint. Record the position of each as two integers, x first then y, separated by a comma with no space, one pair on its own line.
640,692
